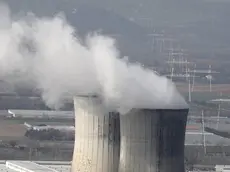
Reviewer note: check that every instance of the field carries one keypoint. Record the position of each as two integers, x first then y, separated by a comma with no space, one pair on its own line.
11,129
217,88
14,128
12,139
202,92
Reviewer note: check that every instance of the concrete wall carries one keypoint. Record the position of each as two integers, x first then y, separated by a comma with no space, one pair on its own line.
152,140
97,137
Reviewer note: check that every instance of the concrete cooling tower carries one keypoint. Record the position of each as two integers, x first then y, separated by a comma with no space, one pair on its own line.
97,137
152,140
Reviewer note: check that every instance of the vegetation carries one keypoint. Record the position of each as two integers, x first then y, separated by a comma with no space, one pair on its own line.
13,143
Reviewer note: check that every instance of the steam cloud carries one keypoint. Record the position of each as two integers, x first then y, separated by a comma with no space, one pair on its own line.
47,53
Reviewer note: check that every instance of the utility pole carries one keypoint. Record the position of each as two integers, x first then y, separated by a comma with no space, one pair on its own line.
208,74
218,116
189,91
194,75
156,40
203,131
178,67
210,78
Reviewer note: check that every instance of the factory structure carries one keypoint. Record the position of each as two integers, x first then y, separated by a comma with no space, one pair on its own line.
60,166
34,166
146,140
19,113
48,127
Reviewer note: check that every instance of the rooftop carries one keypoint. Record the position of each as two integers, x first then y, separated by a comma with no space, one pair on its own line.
34,166
40,113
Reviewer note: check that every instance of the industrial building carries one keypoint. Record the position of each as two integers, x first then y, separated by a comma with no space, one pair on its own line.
35,166
141,140
47,127
17,113
59,166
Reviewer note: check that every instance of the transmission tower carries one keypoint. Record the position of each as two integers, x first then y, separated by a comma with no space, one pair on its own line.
207,72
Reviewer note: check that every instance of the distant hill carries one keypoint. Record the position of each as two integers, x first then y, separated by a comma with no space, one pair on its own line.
200,25
132,38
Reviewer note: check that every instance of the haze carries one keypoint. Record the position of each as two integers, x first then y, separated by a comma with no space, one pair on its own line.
49,54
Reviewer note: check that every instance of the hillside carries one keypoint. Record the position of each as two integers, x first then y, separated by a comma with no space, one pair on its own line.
200,25
132,38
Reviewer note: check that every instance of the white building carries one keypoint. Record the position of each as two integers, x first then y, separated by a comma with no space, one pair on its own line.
35,166
40,114
47,127
222,168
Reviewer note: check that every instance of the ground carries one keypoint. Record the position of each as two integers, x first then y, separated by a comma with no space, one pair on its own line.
217,88
15,127
11,129
12,138
202,92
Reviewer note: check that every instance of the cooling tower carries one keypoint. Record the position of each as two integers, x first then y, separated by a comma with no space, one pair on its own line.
97,137
152,140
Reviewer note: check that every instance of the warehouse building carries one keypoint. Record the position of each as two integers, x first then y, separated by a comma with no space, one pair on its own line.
14,113
34,166
48,127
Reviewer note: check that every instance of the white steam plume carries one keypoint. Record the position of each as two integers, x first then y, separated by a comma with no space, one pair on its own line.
130,85
47,53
